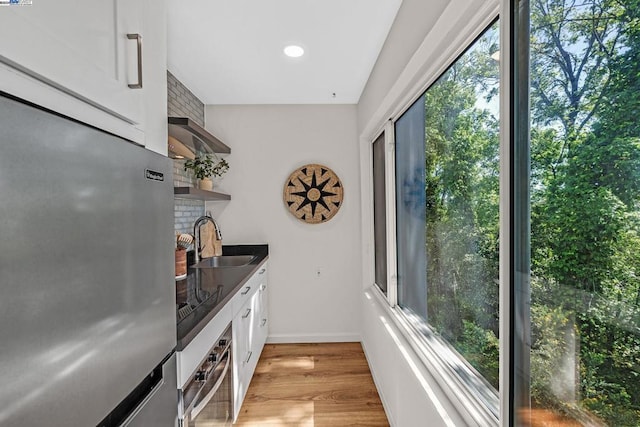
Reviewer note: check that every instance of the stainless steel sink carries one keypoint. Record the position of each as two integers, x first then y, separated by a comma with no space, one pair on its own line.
225,261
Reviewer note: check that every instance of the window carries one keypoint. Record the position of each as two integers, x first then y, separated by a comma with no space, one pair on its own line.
410,210
379,213
571,188
447,213
583,351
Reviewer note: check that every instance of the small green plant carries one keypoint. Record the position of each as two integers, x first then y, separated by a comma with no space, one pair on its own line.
206,166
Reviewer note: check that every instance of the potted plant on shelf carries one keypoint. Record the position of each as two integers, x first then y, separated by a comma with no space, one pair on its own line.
205,166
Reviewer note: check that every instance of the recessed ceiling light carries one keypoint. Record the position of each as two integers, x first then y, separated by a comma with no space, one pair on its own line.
294,51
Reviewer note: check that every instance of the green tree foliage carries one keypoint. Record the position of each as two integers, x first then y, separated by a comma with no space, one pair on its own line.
585,194
585,208
620,106
481,348
572,42
462,195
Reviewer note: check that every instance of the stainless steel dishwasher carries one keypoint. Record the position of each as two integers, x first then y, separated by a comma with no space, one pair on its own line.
207,398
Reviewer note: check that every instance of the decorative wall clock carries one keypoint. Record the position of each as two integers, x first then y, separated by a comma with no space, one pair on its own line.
313,193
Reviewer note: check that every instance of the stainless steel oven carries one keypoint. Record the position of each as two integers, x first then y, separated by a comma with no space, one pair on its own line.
206,400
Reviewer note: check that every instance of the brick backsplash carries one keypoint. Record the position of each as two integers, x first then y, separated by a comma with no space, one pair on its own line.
186,212
181,102
182,178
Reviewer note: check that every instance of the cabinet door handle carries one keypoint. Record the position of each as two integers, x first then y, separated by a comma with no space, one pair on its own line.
262,271
246,290
138,39
264,322
248,357
244,316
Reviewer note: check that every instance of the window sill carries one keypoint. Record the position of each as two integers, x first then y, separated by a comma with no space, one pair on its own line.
475,400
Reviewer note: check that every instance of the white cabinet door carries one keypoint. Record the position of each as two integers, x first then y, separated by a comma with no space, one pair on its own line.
251,360
249,333
262,318
242,333
79,47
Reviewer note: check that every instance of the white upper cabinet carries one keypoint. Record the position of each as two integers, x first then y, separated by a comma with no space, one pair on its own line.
86,50
80,47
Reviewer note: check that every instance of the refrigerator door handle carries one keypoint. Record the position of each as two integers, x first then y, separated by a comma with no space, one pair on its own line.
129,408
142,404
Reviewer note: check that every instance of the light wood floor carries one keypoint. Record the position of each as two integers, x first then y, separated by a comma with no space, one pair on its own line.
312,385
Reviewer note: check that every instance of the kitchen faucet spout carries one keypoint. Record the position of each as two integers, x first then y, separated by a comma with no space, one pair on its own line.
196,232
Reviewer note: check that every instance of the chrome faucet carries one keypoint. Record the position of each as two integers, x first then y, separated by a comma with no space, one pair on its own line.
215,226
217,229
196,233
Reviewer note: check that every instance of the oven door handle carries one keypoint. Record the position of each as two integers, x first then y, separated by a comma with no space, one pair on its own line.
198,407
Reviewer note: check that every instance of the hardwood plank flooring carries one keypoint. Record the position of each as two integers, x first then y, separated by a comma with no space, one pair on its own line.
312,385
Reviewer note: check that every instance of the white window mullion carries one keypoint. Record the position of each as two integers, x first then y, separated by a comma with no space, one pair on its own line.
390,190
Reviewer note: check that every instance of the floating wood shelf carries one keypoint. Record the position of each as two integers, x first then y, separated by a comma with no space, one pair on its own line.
198,194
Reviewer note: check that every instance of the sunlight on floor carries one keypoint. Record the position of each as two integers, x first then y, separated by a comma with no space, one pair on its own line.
298,414
298,363
312,385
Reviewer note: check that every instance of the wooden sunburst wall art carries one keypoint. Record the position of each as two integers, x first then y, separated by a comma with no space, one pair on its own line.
313,193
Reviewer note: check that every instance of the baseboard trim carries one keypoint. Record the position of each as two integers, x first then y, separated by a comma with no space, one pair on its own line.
311,338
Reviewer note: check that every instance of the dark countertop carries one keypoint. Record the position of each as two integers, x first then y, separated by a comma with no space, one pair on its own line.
207,290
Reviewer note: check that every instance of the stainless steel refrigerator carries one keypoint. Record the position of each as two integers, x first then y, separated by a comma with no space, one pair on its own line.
87,296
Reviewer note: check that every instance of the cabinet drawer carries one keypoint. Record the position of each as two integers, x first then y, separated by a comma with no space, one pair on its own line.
243,351
243,296
249,289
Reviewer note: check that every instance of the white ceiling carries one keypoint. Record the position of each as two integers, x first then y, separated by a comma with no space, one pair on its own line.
230,51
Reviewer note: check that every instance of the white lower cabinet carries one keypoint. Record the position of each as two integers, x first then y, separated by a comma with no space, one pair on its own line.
262,317
250,330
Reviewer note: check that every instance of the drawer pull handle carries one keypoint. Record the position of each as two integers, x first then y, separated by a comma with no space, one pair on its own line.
262,271
244,316
246,290
248,357
138,39
264,322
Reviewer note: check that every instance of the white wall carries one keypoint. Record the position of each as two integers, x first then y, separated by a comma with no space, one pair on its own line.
410,394
423,41
414,20
267,144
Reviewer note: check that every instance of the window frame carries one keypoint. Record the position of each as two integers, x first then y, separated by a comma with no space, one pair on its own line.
421,71
514,178
436,353
390,183
390,213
